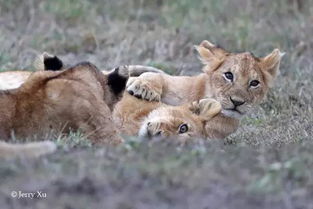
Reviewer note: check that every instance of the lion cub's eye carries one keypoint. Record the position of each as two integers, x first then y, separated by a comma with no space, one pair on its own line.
254,83
183,128
229,76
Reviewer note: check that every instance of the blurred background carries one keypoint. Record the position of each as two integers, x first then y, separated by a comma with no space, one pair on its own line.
267,163
156,32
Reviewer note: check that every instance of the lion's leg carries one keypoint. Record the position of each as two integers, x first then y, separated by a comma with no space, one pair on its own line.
147,86
30,149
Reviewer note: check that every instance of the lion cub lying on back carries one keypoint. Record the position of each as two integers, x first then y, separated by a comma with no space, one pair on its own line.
239,81
157,120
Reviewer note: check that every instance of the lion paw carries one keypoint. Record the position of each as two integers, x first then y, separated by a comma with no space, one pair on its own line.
143,89
207,108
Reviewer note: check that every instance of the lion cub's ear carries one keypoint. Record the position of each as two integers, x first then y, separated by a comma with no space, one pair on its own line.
270,65
206,108
46,61
210,55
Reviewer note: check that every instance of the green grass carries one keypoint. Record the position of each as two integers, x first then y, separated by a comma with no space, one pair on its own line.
267,163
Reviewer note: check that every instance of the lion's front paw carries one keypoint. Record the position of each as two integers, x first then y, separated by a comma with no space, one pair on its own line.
209,107
143,89
206,108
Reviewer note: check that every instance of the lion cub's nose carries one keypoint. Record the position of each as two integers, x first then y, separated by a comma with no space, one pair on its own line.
236,102
152,130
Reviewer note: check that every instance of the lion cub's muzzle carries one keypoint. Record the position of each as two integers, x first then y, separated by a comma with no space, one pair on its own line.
235,107
151,130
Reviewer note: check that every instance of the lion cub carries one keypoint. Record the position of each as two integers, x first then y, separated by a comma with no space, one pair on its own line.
132,114
81,97
239,81
157,120
78,98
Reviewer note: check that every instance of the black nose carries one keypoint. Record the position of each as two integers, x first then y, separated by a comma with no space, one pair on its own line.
236,102
151,134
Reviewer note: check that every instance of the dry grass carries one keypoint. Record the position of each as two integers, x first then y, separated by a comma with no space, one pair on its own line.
266,164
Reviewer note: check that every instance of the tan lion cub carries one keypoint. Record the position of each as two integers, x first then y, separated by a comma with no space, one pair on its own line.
238,81
80,97
154,119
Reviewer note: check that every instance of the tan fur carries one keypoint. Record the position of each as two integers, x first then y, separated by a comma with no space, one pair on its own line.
13,79
151,119
32,149
177,90
77,82
77,98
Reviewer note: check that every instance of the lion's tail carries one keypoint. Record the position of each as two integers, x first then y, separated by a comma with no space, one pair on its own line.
46,61
137,70
32,149
117,77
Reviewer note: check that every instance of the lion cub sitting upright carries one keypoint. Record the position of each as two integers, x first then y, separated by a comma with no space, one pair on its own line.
238,81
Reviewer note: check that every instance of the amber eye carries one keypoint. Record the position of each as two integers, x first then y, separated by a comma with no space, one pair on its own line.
229,76
254,83
183,128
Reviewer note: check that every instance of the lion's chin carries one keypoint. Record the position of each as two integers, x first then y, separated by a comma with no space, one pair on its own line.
143,131
232,113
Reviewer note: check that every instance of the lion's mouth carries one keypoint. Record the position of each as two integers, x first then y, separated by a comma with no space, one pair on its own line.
232,112
235,110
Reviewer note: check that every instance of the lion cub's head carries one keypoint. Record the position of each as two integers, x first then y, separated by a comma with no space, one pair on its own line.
182,122
237,80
